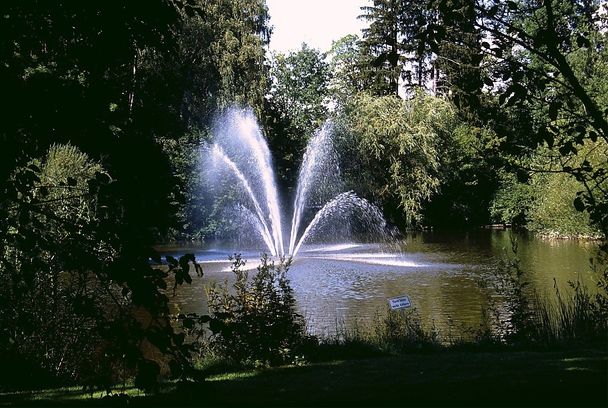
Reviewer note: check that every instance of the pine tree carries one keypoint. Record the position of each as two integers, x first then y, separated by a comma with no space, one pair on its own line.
395,45
381,46
459,55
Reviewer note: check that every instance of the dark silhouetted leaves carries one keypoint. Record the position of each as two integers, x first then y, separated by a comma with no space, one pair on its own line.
554,107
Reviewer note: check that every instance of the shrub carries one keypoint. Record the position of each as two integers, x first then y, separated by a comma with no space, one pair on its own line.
80,301
48,305
390,332
256,322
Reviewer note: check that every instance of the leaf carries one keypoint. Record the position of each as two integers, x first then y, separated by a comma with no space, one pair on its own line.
187,278
554,107
72,182
582,41
204,319
493,10
102,177
172,261
147,375
567,148
176,368
512,100
502,97
155,256
548,137
184,262
586,166
33,167
579,204
476,59
593,136
216,326
188,323
162,284
497,52
199,269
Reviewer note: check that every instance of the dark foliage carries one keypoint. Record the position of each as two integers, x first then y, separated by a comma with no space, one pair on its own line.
81,300
256,323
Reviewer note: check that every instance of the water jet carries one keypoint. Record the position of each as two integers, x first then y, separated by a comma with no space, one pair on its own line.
239,157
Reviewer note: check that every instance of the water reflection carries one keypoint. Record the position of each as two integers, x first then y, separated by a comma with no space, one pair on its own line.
440,272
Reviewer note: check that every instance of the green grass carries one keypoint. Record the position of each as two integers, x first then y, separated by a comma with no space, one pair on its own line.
64,395
564,378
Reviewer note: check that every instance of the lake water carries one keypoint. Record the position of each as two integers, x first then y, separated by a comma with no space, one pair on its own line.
447,276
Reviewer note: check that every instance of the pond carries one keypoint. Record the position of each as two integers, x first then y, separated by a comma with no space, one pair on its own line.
447,276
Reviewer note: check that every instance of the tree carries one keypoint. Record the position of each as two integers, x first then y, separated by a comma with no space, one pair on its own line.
347,77
382,47
74,306
399,148
220,62
533,47
459,56
73,236
296,106
115,80
394,46
222,58
72,74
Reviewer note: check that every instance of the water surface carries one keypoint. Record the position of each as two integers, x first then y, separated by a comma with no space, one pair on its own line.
448,276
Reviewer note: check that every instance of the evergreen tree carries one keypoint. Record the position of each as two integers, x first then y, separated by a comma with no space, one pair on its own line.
394,45
459,56
381,46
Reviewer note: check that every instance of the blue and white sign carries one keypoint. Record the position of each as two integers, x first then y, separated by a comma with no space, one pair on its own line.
401,302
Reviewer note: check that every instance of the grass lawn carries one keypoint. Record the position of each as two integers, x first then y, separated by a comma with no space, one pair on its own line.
564,378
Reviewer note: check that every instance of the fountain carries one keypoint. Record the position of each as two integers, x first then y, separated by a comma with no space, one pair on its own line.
239,158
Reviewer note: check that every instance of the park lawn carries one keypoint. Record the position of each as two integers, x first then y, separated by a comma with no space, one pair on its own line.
451,378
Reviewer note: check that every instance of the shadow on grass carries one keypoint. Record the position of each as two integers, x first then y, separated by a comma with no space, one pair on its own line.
575,378
450,378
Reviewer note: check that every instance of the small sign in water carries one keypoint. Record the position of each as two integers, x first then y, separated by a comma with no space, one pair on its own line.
400,302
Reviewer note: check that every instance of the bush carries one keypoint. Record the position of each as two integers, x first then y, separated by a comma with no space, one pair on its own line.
390,332
256,322
80,301
47,304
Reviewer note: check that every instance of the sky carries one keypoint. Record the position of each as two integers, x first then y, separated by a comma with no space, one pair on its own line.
315,22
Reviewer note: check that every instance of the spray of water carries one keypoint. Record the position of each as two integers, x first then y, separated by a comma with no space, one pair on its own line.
344,205
319,168
239,147
251,135
218,153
